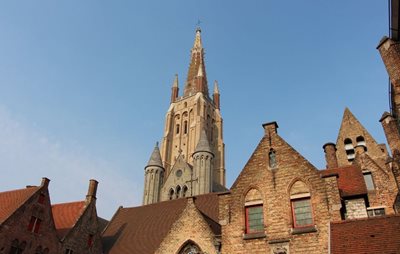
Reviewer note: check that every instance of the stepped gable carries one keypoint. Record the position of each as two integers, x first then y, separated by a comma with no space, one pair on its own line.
66,215
350,180
142,229
367,236
11,200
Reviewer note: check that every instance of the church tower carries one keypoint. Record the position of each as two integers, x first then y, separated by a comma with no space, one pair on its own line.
193,120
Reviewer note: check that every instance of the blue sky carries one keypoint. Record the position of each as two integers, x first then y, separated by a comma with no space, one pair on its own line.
85,85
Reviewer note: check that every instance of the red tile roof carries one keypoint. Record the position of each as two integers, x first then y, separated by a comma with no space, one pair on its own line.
350,180
66,215
366,236
10,201
142,229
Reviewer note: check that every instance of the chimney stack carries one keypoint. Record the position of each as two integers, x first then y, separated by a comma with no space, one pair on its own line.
91,194
270,128
330,155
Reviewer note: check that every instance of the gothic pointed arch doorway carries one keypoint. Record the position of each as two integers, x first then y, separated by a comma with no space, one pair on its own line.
190,247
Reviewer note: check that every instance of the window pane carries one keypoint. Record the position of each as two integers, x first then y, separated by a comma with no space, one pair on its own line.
302,212
255,219
368,181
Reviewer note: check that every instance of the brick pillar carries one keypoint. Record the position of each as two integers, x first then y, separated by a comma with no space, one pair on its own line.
390,53
330,155
392,134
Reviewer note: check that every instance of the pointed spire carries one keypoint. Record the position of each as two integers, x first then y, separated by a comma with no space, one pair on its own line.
197,40
175,84
155,158
216,89
196,69
203,145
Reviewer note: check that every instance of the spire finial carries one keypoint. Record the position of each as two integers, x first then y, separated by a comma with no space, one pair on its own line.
175,84
197,41
216,89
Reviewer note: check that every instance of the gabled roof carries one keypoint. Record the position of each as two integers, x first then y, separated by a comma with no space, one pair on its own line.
142,229
350,180
10,201
66,215
366,236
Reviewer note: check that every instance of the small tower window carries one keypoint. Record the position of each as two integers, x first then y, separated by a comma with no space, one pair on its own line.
185,127
272,158
348,146
177,129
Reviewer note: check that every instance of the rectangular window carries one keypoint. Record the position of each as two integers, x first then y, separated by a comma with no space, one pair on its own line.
368,181
302,214
254,219
34,224
375,212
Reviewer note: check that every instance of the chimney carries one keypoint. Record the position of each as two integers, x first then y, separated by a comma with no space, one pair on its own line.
330,155
45,182
270,128
389,125
91,194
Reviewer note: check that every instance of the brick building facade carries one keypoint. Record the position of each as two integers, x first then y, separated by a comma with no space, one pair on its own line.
280,203
30,224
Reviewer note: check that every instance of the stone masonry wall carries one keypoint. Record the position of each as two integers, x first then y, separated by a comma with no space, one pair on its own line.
356,209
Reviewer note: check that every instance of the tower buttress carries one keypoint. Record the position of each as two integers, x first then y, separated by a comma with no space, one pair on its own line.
154,174
202,166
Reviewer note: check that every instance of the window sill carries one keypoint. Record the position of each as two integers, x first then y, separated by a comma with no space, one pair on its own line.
254,236
311,229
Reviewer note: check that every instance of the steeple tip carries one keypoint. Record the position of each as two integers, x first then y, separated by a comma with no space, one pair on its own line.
155,158
216,89
176,83
197,41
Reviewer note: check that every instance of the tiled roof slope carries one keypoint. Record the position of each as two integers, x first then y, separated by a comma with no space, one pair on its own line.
66,215
350,180
10,201
142,229
366,236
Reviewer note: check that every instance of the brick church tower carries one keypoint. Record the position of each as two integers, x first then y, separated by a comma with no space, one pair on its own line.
191,160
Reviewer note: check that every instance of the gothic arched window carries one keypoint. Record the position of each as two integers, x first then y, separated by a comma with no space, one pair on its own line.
171,194
178,191
254,212
190,248
348,146
184,191
300,200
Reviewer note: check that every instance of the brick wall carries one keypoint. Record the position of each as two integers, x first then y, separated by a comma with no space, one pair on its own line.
190,227
274,186
16,226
